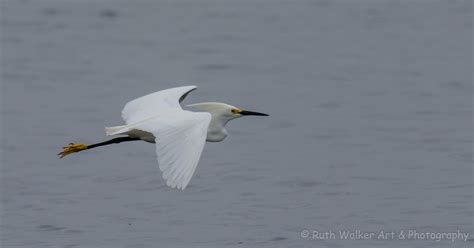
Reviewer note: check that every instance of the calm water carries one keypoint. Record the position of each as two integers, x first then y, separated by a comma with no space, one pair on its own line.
370,127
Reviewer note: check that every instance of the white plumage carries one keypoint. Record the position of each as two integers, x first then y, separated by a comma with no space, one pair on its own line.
179,134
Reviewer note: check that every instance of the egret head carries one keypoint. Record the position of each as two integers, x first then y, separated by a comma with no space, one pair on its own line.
224,111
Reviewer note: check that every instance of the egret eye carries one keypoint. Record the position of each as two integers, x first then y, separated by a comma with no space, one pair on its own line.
236,111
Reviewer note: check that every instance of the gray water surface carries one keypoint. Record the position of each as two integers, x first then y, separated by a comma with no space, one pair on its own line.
370,126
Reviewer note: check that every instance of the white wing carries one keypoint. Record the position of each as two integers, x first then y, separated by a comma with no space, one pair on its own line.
179,135
150,105
180,138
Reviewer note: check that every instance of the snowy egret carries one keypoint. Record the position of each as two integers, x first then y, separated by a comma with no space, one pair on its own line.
179,134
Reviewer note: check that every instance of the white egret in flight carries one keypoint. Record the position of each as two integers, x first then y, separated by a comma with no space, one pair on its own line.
179,134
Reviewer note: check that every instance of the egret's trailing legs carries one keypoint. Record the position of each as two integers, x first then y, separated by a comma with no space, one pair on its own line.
72,148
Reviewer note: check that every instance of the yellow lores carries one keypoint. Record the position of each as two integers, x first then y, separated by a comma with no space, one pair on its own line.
236,111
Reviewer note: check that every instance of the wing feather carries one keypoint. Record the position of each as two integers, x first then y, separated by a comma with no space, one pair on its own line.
179,135
180,139
148,106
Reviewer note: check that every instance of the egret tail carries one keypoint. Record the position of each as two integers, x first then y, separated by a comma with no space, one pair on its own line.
115,130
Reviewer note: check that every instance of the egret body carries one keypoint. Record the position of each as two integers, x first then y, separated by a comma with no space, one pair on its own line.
179,135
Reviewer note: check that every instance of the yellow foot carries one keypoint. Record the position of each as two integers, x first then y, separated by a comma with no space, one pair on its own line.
71,148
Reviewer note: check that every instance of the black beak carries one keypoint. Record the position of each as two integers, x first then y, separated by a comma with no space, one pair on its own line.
245,112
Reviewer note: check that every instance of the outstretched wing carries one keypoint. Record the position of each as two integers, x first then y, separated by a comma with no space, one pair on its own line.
180,138
150,105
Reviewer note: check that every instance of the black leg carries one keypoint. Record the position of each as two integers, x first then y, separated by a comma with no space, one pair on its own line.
72,148
112,141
